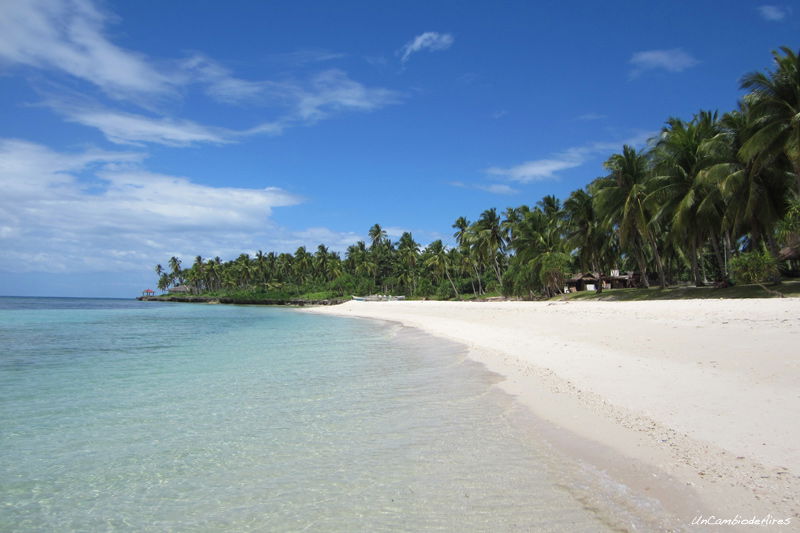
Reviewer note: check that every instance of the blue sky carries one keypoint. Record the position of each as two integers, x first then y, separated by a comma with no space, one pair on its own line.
134,131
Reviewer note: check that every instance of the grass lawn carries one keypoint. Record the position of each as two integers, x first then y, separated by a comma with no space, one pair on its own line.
787,288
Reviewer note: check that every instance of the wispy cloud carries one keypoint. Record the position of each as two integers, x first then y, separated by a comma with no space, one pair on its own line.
102,211
494,188
305,56
673,60
326,94
773,13
332,90
429,40
220,84
549,167
134,129
69,36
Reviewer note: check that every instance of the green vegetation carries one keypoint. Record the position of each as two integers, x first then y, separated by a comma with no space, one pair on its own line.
788,288
754,267
711,199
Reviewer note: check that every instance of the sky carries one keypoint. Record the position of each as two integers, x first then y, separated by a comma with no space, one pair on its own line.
131,132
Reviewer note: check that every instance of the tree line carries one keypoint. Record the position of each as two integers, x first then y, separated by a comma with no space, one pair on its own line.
706,197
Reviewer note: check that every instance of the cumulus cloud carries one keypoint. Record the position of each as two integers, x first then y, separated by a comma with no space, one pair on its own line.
673,60
773,13
549,167
429,40
102,211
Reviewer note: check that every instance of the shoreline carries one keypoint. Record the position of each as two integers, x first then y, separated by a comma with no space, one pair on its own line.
688,402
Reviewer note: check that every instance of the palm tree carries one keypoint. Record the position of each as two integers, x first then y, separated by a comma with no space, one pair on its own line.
321,263
470,258
754,196
461,225
175,269
488,238
407,254
690,205
584,232
775,101
377,236
303,265
621,201
439,262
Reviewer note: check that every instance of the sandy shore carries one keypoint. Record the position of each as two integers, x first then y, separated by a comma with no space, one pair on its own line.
696,403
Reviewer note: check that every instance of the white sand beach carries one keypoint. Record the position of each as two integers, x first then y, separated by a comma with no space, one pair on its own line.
695,402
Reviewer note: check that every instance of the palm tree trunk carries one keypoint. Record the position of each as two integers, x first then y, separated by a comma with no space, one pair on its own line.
478,277
796,166
659,265
642,268
447,272
693,258
497,270
718,256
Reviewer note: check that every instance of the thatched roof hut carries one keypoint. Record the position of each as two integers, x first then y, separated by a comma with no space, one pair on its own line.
583,281
180,289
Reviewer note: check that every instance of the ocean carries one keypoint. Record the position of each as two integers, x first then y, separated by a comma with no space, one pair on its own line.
118,415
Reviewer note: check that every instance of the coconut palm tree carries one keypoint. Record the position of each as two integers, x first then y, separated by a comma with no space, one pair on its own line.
754,195
377,236
691,206
439,262
621,200
488,239
584,233
775,101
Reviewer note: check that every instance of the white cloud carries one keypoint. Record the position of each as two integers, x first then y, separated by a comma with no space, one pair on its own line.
305,56
498,188
312,237
324,95
129,128
494,188
101,211
673,60
220,84
332,90
395,231
429,40
69,36
548,168
773,13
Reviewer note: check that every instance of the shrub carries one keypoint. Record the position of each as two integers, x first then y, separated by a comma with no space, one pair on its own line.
754,267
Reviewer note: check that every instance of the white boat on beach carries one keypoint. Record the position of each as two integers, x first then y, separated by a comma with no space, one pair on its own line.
378,298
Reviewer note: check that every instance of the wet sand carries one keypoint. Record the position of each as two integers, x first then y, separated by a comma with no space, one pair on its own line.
694,403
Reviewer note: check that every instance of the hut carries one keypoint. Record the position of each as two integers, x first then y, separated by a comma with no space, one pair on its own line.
620,281
584,281
180,289
148,292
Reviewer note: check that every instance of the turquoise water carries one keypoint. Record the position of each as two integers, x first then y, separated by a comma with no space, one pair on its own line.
134,416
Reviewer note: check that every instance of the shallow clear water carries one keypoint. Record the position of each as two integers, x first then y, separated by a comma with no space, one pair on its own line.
121,415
